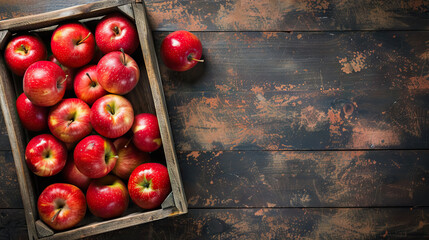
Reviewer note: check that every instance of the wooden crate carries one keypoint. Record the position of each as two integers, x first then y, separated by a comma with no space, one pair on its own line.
148,96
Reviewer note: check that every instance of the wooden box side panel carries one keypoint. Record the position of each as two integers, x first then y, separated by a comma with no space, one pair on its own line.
17,142
54,17
154,76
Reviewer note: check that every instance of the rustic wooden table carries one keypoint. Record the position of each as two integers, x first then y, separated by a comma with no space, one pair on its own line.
309,119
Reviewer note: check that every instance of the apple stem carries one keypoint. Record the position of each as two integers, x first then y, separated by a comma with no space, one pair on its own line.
126,145
83,40
123,54
63,81
92,81
194,59
24,48
56,215
70,122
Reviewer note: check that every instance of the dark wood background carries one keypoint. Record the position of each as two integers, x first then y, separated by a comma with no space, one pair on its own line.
309,119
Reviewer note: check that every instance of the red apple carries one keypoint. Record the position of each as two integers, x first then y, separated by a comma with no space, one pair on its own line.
95,156
181,50
118,73
146,136
86,85
107,197
72,175
44,83
61,206
45,155
129,157
70,72
22,51
70,120
114,32
149,185
33,118
73,45
112,116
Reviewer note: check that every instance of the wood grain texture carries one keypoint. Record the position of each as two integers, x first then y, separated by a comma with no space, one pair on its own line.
46,19
248,15
288,15
10,196
234,179
280,91
267,223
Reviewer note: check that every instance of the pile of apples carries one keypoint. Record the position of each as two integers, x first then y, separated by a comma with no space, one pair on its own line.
87,143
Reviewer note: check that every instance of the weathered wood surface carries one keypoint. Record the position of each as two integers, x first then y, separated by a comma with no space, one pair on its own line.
234,179
264,223
247,15
281,91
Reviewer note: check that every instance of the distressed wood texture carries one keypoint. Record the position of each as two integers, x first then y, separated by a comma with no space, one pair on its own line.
305,179
282,91
265,15
265,223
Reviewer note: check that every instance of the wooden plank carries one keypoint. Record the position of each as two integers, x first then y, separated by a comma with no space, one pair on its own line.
16,138
272,223
50,18
280,91
9,188
306,15
151,63
240,15
234,179
284,223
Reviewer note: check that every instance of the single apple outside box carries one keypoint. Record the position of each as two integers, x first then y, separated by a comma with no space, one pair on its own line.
63,105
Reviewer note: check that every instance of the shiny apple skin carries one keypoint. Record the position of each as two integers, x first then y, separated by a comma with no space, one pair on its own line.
44,83
22,51
115,31
177,49
70,120
107,197
158,187
118,73
45,155
73,203
69,46
129,157
87,88
146,135
33,118
95,156
108,124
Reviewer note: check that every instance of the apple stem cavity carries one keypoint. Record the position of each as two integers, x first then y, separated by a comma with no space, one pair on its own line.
83,40
56,215
24,48
116,30
110,109
93,83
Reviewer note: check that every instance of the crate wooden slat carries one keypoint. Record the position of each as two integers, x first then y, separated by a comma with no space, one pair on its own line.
148,91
